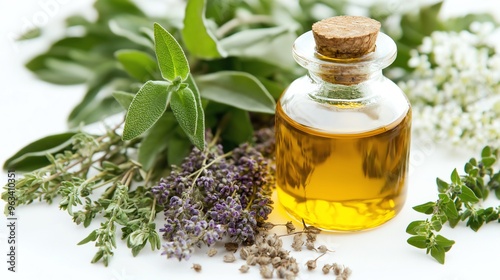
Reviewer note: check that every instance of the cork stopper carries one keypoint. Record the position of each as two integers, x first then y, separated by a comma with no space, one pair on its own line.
345,36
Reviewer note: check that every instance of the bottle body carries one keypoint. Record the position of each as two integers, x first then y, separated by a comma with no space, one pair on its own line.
342,152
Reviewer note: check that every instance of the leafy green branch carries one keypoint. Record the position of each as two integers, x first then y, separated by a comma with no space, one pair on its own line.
458,201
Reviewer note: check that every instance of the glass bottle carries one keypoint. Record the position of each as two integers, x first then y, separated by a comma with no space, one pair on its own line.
343,130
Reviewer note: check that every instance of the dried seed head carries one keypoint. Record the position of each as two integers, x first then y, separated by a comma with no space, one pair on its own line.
276,261
310,245
229,258
297,242
326,268
337,269
346,273
211,252
294,267
244,252
289,275
323,249
272,252
196,267
281,272
244,268
266,272
268,226
231,246
311,264
290,227
251,260
263,260
311,236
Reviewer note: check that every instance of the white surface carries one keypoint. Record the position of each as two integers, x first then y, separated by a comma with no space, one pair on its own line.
30,109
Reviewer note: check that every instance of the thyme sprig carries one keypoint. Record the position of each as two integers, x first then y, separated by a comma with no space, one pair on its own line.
70,175
458,201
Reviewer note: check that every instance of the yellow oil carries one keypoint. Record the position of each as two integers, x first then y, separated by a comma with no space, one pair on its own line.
342,182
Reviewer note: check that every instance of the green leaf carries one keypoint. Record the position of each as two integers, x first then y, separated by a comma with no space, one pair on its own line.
131,27
468,195
238,128
426,208
30,34
450,210
468,167
137,249
105,74
455,178
438,252
415,227
197,38
189,114
146,108
488,161
266,44
139,65
443,241
497,193
442,185
237,89
33,155
486,152
91,237
418,241
178,148
155,141
124,98
110,8
171,58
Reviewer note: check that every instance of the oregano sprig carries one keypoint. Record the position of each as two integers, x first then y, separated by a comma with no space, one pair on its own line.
458,201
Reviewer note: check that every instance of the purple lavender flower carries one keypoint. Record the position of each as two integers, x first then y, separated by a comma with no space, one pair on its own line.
212,195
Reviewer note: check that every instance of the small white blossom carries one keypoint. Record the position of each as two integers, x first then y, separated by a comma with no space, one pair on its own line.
455,86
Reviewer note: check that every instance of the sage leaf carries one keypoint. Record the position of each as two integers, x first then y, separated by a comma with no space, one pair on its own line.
265,44
138,64
33,155
124,98
103,74
189,114
110,8
130,27
197,38
237,89
155,141
146,108
171,58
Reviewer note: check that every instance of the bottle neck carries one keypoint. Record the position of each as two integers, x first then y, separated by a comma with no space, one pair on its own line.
332,92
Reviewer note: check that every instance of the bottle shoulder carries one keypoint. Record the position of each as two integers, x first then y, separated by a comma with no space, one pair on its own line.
379,104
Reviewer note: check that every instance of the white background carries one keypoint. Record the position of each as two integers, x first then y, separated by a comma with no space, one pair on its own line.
30,109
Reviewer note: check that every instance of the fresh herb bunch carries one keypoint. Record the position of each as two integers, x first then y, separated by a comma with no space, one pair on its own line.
213,195
89,164
458,201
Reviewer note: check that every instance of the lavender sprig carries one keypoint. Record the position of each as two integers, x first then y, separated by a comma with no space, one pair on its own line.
212,195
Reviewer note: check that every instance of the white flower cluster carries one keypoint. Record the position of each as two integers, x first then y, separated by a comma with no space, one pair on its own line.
454,87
